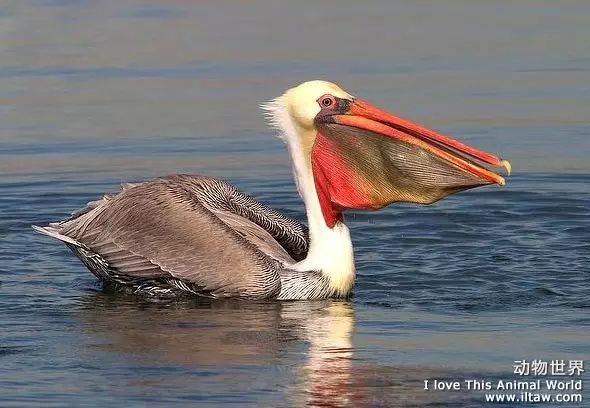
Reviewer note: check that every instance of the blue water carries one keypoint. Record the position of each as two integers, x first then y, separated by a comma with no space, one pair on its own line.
100,93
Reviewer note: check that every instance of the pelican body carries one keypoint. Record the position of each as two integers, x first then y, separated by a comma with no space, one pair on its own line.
200,235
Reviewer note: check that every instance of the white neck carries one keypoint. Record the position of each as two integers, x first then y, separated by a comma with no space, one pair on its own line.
330,249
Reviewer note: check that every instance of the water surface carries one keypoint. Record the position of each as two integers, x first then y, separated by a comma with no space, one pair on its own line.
95,93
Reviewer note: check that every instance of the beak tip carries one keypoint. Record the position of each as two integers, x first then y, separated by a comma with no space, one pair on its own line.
506,164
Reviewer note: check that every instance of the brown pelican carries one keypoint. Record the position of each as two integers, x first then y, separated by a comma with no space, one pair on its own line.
196,234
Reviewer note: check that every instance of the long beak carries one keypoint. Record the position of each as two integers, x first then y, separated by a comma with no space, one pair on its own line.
365,116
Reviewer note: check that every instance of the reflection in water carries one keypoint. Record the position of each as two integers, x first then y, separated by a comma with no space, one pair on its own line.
238,339
302,351
327,371
194,332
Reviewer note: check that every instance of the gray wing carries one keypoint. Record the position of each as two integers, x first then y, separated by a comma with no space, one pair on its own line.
192,228
245,214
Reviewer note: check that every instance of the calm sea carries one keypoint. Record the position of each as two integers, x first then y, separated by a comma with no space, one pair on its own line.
93,93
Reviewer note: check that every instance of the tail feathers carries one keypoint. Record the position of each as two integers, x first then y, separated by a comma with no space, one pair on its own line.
53,233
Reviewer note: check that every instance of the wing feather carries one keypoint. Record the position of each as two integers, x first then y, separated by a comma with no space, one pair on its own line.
196,229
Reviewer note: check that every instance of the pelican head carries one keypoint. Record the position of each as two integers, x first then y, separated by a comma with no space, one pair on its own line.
363,157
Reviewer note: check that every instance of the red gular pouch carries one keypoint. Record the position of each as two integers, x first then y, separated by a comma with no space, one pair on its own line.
356,168
339,185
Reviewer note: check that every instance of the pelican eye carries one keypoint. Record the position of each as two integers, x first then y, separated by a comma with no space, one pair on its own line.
327,101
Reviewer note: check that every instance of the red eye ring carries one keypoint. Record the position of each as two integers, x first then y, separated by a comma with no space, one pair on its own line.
327,101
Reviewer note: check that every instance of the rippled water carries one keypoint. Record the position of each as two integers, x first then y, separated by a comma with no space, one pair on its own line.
95,93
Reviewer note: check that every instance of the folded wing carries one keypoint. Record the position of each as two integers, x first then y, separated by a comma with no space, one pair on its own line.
196,230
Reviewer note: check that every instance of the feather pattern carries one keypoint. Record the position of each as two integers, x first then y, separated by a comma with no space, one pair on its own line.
192,234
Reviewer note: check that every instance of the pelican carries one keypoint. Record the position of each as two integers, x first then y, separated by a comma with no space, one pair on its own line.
197,234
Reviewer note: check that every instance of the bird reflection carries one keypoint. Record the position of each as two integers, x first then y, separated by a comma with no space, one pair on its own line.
326,373
201,333
299,352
